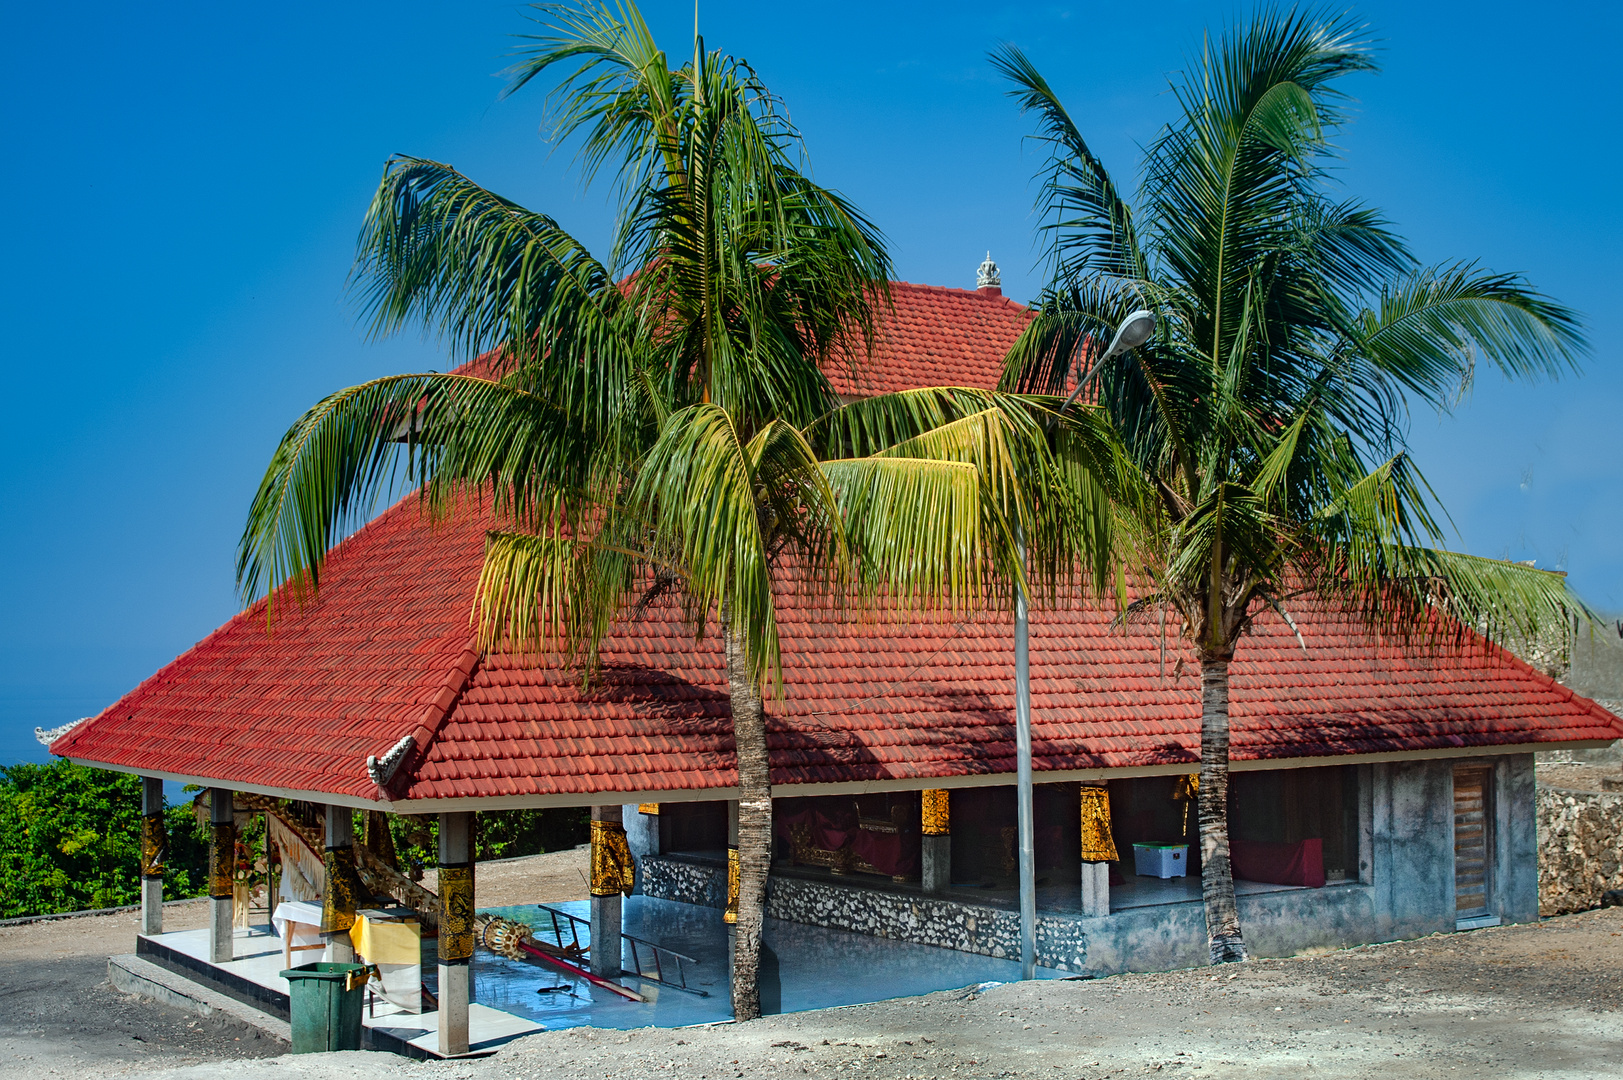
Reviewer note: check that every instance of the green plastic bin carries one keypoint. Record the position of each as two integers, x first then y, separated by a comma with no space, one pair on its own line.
325,1006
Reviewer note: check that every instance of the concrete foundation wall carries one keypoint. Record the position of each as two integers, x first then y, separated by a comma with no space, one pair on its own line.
1406,889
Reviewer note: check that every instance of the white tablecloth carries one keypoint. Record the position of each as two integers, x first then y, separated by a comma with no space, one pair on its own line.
301,918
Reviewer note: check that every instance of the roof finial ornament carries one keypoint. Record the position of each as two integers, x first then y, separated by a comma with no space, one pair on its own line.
988,277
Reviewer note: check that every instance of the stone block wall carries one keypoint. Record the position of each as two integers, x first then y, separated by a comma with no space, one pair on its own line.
1580,851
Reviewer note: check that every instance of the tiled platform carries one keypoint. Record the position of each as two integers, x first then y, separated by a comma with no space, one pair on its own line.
258,964
804,967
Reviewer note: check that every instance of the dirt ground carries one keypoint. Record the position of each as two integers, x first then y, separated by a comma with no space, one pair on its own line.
1544,1000
59,1016
1580,776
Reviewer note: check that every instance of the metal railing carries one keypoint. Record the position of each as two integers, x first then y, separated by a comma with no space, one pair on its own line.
668,964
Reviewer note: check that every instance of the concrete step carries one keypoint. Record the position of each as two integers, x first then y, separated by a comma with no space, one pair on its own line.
134,975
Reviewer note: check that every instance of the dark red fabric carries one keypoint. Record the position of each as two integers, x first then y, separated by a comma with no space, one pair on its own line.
1301,863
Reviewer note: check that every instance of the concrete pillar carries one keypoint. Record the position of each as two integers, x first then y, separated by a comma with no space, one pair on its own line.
641,822
222,860
730,913
456,929
154,845
936,844
1095,888
338,903
606,894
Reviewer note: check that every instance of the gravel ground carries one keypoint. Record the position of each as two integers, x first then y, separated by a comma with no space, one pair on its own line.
59,1016
1544,1000
1531,1001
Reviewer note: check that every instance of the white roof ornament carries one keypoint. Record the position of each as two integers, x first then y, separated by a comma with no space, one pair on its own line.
382,770
48,736
988,277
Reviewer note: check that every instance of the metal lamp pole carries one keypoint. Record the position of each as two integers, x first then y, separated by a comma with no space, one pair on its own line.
1134,331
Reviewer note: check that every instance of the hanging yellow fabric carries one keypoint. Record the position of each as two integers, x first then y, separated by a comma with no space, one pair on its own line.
731,914
1097,844
1186,789
613,870
936,820
456,912
344,888
154,841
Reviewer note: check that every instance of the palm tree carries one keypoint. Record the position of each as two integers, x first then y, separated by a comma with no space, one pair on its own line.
663,423
1266,416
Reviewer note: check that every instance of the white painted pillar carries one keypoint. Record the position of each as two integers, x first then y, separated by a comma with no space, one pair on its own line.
222,861
338,905
154,844
606,899
456,929
935,847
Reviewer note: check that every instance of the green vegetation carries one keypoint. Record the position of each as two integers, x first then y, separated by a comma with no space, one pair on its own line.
70,839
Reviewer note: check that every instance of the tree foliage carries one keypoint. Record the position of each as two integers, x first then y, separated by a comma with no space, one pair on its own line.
70,840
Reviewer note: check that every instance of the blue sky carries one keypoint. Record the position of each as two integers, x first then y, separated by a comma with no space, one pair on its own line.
186,182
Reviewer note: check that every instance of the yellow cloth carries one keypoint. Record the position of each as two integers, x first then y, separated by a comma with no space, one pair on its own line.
1097,844
935,819
612,868
387,942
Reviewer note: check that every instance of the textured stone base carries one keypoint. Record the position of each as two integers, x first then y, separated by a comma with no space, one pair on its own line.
1580,851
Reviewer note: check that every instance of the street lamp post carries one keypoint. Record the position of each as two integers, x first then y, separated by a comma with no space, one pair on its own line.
1134,331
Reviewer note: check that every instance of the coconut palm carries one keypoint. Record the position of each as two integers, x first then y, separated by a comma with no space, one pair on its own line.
1266,416
662,423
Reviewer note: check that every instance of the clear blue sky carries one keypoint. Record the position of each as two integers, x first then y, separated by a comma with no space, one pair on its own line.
186,182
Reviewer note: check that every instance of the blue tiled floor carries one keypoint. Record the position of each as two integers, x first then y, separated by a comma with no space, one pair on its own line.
806,967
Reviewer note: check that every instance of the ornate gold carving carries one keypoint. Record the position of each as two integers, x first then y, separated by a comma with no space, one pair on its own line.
935,818
1186,789
731,914
344,887
649,808
222,860
613,870
456,912
1097,845
154,842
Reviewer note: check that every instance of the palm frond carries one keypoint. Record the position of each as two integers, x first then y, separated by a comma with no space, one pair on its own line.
1429,329
1090,224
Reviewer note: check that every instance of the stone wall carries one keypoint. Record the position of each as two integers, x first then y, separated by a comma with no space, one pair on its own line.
1580,849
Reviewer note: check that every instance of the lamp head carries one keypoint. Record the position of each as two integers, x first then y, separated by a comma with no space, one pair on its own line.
1134,331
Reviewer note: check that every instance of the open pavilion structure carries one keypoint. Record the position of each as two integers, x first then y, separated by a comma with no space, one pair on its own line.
890,750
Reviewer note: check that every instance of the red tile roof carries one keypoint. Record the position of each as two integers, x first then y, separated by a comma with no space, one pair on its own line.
387,653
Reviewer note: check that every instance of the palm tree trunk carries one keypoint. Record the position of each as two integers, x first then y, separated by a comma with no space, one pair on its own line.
754,828
1216,873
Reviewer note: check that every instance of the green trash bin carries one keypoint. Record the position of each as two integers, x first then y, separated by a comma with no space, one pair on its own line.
325,1006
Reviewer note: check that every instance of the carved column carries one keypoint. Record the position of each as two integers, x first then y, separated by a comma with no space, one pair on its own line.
1098,849
154,845
612,877
936,844
222,860
456,929
343,885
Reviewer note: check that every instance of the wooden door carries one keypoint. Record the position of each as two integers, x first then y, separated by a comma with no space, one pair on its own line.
1472,842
